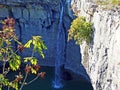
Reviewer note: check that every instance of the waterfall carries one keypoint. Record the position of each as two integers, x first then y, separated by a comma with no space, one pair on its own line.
60,51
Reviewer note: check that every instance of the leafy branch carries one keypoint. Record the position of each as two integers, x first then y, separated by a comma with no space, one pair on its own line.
10,56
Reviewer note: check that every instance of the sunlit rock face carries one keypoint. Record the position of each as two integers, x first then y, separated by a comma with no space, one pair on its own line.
101,58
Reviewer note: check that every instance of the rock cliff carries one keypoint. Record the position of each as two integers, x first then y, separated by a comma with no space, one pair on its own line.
41,17
34,17
101,57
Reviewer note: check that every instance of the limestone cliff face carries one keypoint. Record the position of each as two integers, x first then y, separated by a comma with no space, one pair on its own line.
101,57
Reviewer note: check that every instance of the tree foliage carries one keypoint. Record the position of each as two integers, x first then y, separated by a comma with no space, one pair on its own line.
80,30
9,55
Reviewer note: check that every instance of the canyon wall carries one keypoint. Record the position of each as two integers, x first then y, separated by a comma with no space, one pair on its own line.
34,17
41,17
101,58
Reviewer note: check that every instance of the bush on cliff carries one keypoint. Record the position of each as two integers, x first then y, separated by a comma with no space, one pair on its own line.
80,30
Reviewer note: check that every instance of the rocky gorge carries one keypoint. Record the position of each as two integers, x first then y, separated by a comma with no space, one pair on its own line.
41,17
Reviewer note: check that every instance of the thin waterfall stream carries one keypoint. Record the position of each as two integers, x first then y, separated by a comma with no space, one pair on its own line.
60,49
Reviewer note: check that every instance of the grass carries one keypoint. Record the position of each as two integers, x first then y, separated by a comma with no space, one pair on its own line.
105,2
115,2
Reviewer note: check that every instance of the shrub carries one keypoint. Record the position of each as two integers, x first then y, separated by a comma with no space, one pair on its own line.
9,55
80,30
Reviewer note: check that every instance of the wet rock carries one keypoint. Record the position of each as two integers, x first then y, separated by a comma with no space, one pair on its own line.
66,76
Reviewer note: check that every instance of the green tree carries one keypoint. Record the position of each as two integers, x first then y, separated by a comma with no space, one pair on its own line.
80,30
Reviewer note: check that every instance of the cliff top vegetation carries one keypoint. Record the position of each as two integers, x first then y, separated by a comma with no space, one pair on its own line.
107,2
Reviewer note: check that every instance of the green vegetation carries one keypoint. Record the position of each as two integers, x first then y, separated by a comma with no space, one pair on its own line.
107,2
8,55
115,2
80,30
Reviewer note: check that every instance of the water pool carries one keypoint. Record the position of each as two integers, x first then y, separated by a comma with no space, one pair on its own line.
77,83
46,83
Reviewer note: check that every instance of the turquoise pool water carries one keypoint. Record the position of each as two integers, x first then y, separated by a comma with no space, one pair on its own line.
46,83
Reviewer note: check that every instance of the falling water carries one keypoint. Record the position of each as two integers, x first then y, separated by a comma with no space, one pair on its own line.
60,50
